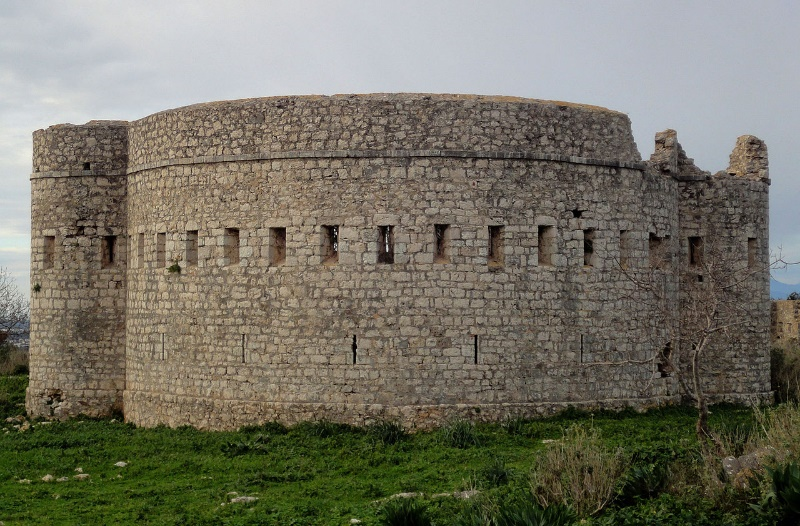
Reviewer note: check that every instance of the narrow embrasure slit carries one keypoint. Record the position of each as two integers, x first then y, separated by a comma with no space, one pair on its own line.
386,244
440,233
330,244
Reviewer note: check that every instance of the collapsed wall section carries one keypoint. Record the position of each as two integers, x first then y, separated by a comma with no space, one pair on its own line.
723,256
78,262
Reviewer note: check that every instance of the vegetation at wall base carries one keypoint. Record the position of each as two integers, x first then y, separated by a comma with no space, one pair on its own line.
94,471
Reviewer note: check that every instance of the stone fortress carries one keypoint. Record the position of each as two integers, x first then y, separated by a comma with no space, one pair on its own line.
401,256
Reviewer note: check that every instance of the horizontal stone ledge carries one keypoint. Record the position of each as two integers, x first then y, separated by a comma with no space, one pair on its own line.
388,154
77,173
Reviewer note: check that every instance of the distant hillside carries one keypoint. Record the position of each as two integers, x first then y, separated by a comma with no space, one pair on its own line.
779,291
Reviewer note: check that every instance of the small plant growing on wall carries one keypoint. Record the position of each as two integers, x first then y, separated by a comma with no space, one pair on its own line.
175,268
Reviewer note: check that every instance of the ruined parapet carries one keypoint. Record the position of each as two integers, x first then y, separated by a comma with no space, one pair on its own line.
749,159
668,158
78,263
724,238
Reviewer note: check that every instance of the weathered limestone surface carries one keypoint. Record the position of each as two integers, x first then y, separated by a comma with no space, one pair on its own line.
518,230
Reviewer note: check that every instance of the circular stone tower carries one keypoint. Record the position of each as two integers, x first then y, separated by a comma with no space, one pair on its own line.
78,263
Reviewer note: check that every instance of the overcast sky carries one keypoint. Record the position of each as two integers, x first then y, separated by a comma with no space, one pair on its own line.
711,70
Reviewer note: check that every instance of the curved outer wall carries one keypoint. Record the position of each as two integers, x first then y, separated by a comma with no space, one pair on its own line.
221,344
526,302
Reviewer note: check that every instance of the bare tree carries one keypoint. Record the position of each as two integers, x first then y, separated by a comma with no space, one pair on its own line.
14,307
710,311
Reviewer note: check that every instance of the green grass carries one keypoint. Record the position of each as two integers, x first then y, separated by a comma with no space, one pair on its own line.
312,474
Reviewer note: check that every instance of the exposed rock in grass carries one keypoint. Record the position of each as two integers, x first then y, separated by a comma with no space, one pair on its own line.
81,476
48,478
121,464
243,498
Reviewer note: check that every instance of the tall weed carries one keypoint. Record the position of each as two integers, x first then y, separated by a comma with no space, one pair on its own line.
404,512
459,433
578,471
780,428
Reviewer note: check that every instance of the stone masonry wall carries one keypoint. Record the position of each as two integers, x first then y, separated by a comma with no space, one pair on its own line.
77,348
374,256
725,216
381,122
270,336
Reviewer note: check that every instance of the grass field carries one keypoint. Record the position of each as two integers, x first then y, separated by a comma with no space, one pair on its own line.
329,474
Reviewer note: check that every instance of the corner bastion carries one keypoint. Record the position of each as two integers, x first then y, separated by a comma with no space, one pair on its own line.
399,256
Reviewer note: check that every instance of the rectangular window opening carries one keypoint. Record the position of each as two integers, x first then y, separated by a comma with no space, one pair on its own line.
161,249
547,241
752,252
232,246
277,246
354,348
244,347
386,244
496,246
695,251
87,166
330,244
625,249
475,349
49,252
440,234
664,367
191,247
140,250
588,248
655,251
109,245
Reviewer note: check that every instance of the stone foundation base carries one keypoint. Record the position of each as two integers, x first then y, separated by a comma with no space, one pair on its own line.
151,409
61,404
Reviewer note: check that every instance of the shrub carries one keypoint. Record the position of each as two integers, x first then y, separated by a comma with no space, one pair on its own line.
780,427
496,473
785,493
386,432
643,481
577,471
527,513
268,428
322,428
257,445
513,425
516,513
404,512
459,433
